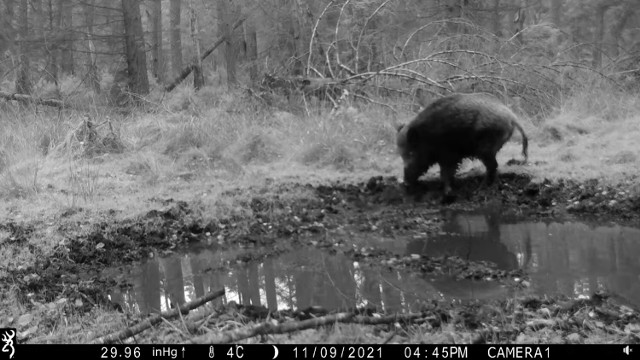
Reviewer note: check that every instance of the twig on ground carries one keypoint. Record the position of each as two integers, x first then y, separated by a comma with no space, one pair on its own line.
268,328
156,318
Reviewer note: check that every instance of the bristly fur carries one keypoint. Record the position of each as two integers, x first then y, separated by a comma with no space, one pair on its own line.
453,128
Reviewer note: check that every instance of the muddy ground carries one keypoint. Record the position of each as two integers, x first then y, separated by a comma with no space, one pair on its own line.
277,223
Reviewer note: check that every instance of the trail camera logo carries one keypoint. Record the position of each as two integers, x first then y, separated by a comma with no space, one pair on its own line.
8,336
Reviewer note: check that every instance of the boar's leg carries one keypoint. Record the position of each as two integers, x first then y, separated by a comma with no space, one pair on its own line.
491,164
412,172
447,174
414,168
411,175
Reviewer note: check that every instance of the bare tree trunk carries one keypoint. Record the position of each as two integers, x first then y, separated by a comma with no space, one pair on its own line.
23,84
454,12
67,45
599,35
39,22
113,20
287,43
239,42
39,19
556,11
187,70
134,43
302,33
91,61
198,76
628,11
229,50
52,48
7,34
496,18
251,43
373,63
156,41
252,50
176,41
518,21
9,9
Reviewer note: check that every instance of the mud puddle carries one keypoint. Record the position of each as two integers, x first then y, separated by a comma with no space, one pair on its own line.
372,224
560,258
298,280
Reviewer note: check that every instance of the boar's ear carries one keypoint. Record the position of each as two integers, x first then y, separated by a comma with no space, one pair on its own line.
422,98
399,127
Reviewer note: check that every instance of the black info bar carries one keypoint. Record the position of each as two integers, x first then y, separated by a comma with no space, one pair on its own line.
309,351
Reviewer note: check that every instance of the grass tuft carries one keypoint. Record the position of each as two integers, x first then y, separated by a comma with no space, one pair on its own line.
258,146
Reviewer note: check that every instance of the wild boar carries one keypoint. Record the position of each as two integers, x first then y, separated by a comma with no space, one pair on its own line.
453,128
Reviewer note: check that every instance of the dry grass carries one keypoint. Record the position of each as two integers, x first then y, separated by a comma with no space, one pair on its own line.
184,150
196,145
593,135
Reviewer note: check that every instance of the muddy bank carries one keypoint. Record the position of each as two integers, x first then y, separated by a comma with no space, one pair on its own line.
274,221
378,205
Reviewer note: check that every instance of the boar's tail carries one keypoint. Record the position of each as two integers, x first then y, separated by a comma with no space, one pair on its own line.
525,141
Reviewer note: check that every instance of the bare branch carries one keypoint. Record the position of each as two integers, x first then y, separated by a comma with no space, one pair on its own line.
437,22
189,68
328,60
154,319
362,31
335,40
268,328
29,99
313,34
368,75
375,102
579,66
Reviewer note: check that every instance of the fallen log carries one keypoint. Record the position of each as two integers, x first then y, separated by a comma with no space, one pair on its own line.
268,328
288,327
156,318
320,87
27,99
189,68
